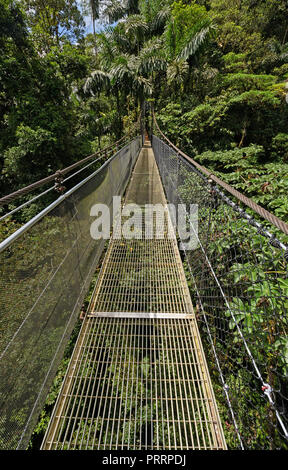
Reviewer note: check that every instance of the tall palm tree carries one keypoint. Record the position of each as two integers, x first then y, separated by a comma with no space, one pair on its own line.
135,54
93,7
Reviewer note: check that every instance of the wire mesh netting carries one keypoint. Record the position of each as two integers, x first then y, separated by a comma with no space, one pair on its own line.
44,275
239,285
138,377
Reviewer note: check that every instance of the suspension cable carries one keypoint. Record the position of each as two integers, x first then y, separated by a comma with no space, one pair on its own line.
53,187
26,203
27,189
273,219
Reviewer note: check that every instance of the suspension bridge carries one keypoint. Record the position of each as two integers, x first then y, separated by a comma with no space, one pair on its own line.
178,348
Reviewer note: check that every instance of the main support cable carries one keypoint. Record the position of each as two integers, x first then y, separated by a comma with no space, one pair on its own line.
53,187
280,224
27,189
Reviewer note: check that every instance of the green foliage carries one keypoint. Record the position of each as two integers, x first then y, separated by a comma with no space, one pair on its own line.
244,169
185,23
53,23
280,147
243,82
235,63
31,143
46,120
254,278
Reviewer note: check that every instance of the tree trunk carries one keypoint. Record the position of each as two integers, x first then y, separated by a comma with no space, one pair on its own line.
119,129
244,132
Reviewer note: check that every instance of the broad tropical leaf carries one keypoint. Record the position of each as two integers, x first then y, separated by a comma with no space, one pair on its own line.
196,42
97,81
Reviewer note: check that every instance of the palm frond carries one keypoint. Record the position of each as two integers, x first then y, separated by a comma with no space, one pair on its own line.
132,7
142,85
152,57
114,11
105,43
135,24
177,71
160,19
97,81
196,42
153,45
121,40
120,70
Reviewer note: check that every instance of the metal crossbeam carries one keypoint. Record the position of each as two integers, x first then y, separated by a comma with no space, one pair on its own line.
138,315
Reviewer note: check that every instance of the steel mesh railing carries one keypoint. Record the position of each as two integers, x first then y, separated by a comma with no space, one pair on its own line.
45,271
239,285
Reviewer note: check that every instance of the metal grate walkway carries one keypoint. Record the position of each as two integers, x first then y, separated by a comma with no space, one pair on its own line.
138,377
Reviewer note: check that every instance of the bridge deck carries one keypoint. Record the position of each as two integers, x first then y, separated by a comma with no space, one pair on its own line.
138,377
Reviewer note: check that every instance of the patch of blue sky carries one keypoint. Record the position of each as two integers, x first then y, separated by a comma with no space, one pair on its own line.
99,24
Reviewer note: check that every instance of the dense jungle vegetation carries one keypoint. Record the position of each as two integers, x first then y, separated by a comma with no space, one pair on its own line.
216,72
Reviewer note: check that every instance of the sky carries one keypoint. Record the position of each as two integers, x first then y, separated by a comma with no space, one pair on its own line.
88,21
